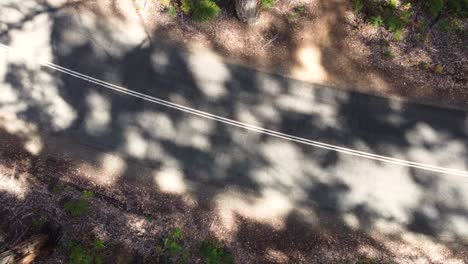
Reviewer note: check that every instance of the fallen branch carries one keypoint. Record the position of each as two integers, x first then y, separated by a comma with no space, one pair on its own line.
270,41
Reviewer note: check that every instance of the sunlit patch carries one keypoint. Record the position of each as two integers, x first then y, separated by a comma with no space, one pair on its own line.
379,189
99,116
209,72
286,170
368,251
160,60
446,153
276,256
309,67
15,185
460,225
137,224
36,89
106,172
422,133
170,180
413,246
34,38
246,116
270,208
351,220
27,131
136,145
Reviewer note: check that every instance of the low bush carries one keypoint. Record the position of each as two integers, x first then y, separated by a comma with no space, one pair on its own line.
205,10
268,3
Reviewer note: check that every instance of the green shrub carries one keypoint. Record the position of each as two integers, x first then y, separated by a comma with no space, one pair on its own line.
268,3
392,4
186,6
453,7
174,246
82,255
358,5
445,25
166,3
77,207
398,35
377,21
434,7
388,54
172,11
213,253
205,10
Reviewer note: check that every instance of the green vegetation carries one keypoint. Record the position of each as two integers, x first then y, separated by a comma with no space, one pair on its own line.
205,10
296,13
445,25
388,54
176,250
396,18
213,253
172,242
358,5
149,218
458,8
77,207
268,3
83,255
57,189
186,6
172,12
435,68
200,10
173,246
166,3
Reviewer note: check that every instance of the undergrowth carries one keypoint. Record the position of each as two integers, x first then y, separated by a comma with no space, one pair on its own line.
396,17
76,207
79,254
213,253
199,10
176,248
268,3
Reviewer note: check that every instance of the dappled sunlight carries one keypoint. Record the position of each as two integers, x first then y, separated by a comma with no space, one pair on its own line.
15,185
150,158
105,170
27,131
310,65
170,180
209,72
269,207
99,118
415,246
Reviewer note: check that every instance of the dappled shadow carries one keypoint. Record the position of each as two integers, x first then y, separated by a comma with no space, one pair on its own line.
146,158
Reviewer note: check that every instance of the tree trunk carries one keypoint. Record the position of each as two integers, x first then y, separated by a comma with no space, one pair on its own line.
248,10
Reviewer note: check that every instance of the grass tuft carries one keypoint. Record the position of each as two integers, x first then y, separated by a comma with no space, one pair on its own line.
205,10
268,3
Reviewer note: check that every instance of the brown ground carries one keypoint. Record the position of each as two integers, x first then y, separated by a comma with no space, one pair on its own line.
328,44
133,218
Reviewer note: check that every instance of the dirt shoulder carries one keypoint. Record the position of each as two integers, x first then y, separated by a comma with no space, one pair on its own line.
131,222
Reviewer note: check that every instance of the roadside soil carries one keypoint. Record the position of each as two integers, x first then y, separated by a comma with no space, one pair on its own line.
132,220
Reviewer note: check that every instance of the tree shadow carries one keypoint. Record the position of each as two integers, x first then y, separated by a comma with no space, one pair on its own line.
152,158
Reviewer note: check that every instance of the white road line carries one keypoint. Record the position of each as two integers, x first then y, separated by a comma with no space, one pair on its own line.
237,123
